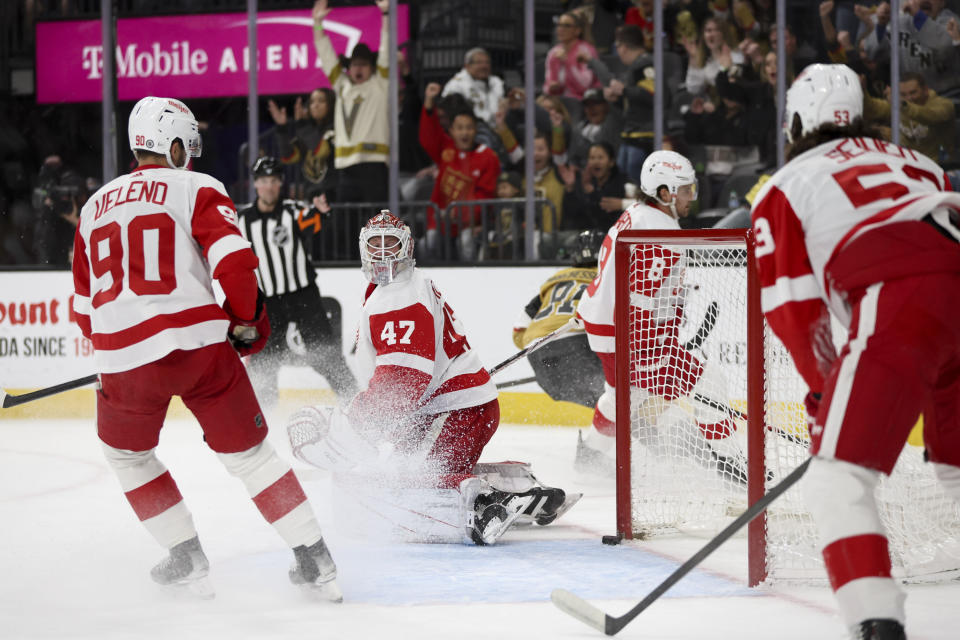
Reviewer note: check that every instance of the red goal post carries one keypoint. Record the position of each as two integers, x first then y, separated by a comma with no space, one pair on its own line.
712,415
754,322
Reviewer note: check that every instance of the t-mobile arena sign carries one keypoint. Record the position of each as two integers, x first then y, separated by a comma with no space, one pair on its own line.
198,56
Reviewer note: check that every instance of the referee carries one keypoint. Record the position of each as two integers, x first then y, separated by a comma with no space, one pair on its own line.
279,231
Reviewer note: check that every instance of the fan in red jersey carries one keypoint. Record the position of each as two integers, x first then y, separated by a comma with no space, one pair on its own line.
146,251
867,231
666,371
427,412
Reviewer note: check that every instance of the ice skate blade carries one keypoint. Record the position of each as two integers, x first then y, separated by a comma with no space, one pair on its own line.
324,591
199,589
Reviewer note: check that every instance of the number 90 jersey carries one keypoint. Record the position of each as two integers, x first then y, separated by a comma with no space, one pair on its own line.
144,252
413,355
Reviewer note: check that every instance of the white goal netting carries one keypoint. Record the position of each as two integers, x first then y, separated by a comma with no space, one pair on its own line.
688,350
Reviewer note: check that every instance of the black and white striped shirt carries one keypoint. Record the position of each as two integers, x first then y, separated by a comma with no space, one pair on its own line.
277,237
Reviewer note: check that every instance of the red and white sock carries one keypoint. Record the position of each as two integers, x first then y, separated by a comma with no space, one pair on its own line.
153,494
276,492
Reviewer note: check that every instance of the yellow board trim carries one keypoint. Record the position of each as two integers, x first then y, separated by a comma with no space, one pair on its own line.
515,407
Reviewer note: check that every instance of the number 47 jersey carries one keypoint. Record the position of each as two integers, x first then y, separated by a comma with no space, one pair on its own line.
413,353
144,253
827,223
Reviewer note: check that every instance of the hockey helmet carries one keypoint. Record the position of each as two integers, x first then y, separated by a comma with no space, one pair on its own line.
667,169
386,249
267,166
822,94
156,122
588,247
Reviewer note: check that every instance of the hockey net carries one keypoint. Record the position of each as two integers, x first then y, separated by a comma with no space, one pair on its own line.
700,359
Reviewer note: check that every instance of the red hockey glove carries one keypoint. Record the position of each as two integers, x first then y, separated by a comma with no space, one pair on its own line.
249,336
812,404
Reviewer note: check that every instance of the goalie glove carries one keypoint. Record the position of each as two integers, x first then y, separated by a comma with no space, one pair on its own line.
324,438
249,336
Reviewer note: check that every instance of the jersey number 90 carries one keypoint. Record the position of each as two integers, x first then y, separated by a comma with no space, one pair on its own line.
151,271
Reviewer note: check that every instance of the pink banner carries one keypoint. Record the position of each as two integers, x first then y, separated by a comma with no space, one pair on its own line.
198,56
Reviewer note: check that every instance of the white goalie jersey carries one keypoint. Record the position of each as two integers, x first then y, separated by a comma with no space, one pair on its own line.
413,356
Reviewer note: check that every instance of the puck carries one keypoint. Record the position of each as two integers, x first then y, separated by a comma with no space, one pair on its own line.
612,540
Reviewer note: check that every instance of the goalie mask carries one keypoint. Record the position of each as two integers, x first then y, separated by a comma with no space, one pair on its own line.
386,249
156,122
671,170
822,94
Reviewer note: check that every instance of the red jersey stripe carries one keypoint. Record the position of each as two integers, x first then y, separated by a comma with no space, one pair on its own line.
464,381
149,328
599,329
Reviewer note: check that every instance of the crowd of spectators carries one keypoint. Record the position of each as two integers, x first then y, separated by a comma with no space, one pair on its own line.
462,140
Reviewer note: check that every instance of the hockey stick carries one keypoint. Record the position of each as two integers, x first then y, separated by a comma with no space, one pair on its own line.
514,383
594,617
536,344
12,401
709,320
740,415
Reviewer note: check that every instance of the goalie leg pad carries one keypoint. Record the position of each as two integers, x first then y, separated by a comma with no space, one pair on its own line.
516,477
949,477
507,475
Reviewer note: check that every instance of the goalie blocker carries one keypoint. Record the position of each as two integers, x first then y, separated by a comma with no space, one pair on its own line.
379,489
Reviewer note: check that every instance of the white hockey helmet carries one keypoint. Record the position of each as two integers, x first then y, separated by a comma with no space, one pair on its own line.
386,249
823,94
156,122
667,169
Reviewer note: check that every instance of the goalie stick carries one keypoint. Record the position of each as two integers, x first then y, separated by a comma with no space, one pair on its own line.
7,400
536,344
582,610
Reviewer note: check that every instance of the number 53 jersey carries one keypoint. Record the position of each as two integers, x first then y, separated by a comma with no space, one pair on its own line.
413,355
145,250
846,214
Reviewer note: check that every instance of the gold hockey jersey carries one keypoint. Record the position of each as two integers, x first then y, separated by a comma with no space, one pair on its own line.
553,306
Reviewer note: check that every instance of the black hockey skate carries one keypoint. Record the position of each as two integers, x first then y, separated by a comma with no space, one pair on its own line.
495,511
545,508
315,571
186,566
879,629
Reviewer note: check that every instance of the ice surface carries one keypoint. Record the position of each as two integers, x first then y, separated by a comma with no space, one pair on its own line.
74,562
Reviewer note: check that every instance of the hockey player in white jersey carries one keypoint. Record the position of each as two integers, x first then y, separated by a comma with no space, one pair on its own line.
665,372
146,251
866,230
428,410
